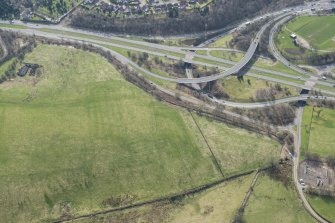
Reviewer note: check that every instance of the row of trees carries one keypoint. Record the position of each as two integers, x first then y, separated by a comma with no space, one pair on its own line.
222,13
279,115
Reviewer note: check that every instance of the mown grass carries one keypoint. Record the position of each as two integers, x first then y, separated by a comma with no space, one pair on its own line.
318,129
241,90
201,52
279,77
80,134
14,26
271,201
323,205
319,36
324,87
237,149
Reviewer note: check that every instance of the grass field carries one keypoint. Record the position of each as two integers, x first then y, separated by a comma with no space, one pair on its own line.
81,134
324,206
222,41
320,37
242,91
318,131
271,201
207,206
5,66
285,42
218,204
237,149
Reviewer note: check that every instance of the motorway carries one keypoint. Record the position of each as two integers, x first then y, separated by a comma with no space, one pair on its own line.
271,103
236,67
233,70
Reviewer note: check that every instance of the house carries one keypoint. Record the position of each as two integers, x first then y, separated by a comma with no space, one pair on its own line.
293,36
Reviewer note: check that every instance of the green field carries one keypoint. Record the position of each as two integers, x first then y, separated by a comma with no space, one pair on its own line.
212,206
79,135
317,131
271,201
321,37
237,149
4,67
222,41
324,206
209,206
242,91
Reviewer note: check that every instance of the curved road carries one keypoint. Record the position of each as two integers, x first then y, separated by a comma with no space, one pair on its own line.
296,167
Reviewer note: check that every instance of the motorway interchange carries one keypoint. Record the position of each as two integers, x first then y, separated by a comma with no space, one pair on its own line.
306,81
182,53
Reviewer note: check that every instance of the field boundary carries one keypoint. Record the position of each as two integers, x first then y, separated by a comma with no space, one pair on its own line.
216,162
310,128
173,197
240,211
